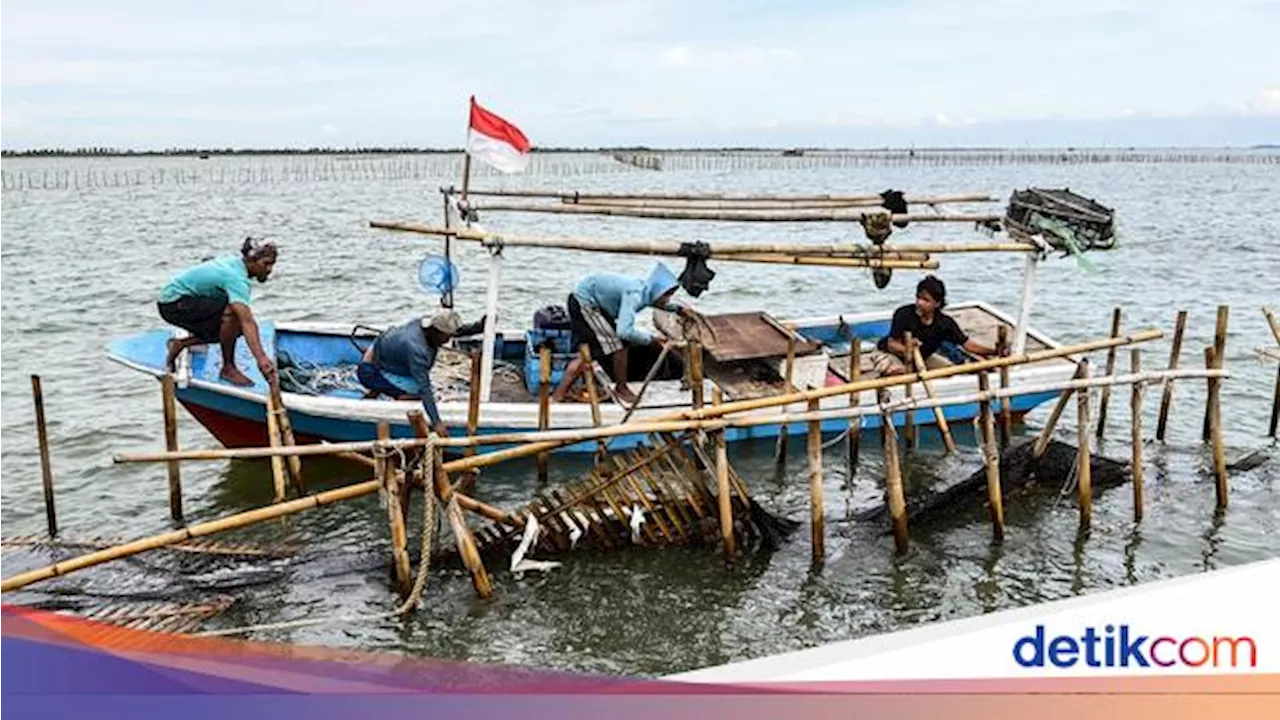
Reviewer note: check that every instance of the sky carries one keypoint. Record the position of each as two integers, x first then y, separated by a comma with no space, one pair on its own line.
152,74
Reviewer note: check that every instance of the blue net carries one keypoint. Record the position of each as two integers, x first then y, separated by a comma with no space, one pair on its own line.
438,275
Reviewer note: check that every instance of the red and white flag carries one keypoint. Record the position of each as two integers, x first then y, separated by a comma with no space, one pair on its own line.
496,141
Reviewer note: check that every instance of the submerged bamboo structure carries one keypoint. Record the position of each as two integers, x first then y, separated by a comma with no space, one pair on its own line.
590,197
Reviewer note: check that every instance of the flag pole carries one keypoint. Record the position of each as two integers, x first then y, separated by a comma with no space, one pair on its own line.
466,155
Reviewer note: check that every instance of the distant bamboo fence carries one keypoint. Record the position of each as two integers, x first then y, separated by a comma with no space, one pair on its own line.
90,173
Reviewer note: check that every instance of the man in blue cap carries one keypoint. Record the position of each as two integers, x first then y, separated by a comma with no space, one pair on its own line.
602,312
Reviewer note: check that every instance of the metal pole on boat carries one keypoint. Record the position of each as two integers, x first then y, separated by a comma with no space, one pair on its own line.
490,323
46,472
1024,304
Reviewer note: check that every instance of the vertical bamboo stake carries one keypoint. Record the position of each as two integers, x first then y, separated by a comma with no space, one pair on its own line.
1167,398
788,371
1139,390
722,485
584,354
1111,369
46,471
277,462
896,498
1213,360
695,374
939,415
909,417
991,458
855,424
815,487
473,400
168,395
1084,482
1275,404
293,463
386,473
1275,407
1006,412
461,533
1220,356
544,404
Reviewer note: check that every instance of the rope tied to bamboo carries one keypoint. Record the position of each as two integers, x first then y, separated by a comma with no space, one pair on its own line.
430,527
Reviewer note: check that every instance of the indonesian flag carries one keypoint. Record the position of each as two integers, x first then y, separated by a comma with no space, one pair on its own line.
496,141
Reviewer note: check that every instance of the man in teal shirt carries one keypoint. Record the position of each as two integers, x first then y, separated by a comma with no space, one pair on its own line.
211,301
602,312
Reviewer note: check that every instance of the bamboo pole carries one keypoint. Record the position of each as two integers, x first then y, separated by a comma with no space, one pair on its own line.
385,471
824,261
1046,433
536,443
909,419
991,461
473,398
722,485
589,375
1213,361
815,215
1006,412
46,469
672,247
741,205
1135,409
1084,477
168,397
277,461
1111,368
894,494
648,378
1275,407
284,429
533,442
461,533
175,537
1220,355
695,374
544,405
855,423
1166,398
788,372
1272,322
816,510
575,196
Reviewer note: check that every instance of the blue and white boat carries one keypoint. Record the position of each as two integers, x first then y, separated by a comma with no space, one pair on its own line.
327,405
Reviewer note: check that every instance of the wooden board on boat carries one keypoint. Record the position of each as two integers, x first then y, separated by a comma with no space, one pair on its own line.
748,336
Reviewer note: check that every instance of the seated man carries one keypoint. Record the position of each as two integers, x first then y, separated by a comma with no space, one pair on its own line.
929,327
398,364
602,312
211,301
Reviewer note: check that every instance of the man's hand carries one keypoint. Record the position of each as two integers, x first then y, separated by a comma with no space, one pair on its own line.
268,370
441,430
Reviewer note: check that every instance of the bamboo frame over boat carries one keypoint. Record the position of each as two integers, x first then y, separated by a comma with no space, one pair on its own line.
798,215
578,197
721,251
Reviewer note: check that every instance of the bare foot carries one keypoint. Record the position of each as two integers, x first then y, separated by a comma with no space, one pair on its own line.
624,394
234,376
171,359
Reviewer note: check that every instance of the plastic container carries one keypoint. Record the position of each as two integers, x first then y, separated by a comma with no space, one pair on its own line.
562,352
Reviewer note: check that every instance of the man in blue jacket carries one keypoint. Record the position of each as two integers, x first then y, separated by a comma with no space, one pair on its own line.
602,313
398,364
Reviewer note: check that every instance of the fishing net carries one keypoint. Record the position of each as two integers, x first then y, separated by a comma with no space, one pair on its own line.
450,377
1067,221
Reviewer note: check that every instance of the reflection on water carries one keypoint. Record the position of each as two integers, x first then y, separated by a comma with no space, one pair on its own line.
84,266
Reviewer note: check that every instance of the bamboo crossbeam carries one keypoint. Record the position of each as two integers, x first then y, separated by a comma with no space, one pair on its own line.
571,197
666,423
897,251
174,537
809,215
533,442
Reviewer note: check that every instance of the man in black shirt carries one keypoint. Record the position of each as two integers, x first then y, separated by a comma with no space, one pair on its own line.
929,328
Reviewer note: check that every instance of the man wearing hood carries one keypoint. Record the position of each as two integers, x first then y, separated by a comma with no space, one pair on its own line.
602,312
